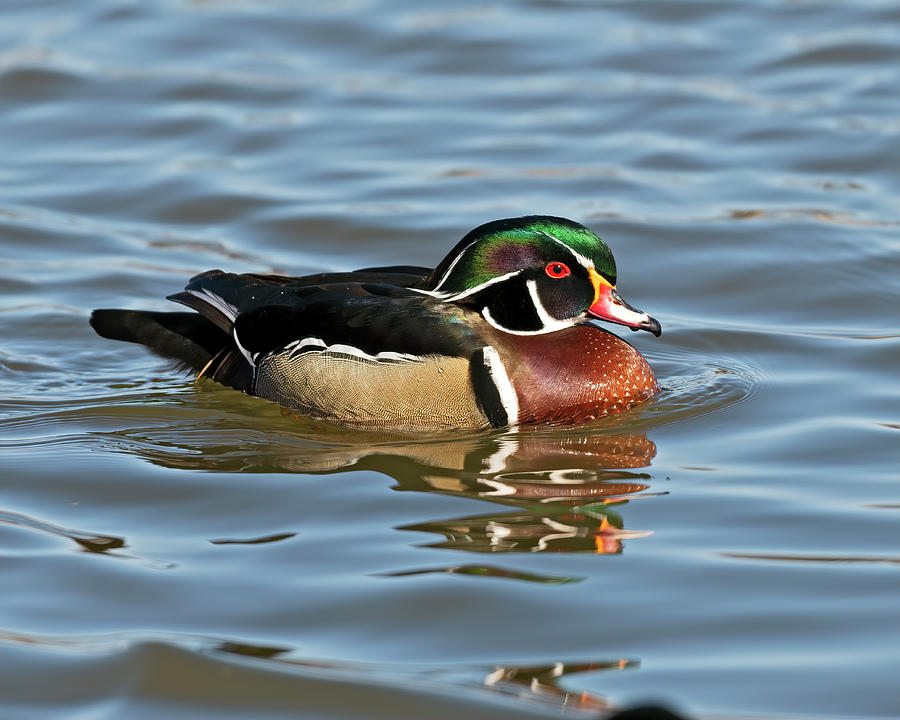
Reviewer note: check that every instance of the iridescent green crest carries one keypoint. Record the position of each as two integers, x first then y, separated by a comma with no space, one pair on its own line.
506,246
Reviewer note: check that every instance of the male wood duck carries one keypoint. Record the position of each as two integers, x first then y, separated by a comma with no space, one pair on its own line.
499,334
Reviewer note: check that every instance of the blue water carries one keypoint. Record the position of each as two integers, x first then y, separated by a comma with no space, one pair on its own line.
172,548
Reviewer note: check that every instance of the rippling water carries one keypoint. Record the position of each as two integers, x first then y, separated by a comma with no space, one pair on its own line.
172,548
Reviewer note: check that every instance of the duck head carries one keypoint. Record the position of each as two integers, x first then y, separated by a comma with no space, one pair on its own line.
534,275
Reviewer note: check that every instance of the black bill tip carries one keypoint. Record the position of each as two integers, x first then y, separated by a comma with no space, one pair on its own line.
651,325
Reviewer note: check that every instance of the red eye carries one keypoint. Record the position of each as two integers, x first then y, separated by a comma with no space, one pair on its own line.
557,270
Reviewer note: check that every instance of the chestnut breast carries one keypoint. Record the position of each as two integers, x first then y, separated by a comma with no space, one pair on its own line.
574,375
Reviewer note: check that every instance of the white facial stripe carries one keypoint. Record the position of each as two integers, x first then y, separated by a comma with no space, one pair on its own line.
505,389
219,303
319,345
578,256
486,314
478,288
550,323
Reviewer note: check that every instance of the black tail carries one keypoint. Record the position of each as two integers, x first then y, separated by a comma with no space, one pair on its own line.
194,342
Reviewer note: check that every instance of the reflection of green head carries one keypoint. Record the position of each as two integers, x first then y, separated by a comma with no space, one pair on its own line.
505,246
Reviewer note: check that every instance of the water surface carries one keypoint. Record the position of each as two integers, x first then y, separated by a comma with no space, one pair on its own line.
176,548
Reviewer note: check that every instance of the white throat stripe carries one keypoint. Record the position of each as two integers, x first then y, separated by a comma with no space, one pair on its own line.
505,389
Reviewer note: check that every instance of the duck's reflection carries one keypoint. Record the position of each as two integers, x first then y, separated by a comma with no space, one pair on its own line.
557,490
550,490
533,530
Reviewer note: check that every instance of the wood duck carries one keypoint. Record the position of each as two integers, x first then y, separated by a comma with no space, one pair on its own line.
501,333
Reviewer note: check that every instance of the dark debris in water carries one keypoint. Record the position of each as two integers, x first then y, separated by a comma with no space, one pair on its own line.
254,541
486,571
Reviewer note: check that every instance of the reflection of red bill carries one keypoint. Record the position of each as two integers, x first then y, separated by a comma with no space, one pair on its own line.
608,538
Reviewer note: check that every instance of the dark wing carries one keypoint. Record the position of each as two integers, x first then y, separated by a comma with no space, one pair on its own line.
399,275
263,317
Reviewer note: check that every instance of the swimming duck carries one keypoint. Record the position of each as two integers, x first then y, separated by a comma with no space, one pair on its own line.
501,333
